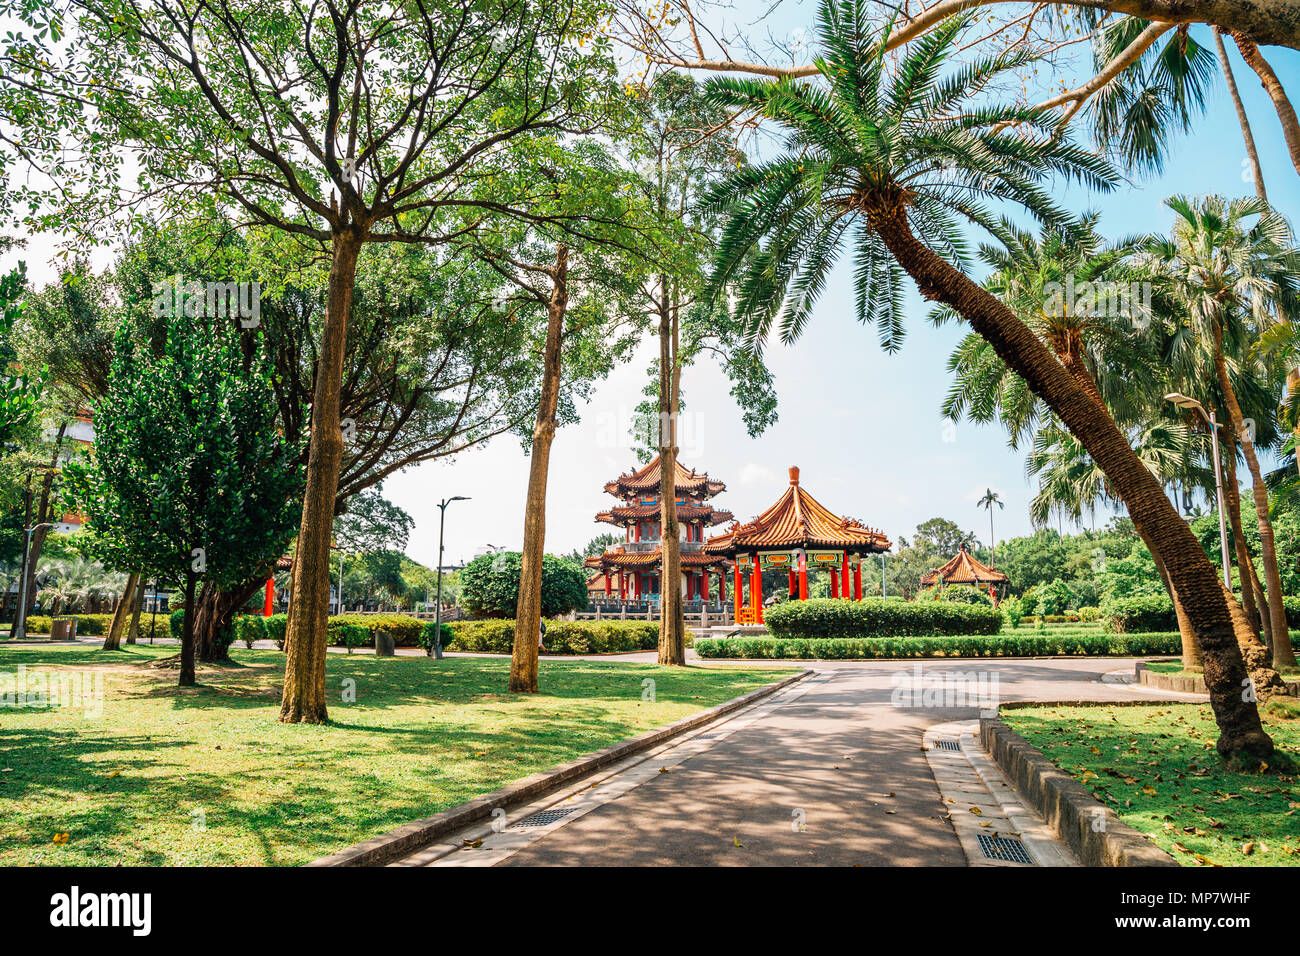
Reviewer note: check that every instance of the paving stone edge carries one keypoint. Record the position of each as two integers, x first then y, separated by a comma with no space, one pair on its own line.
1067,805
411,836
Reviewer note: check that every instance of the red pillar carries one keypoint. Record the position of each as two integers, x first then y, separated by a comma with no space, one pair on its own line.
756,591
270,597
844,576
622,586
607,584
739,588
857,580
704,584
803,576
793,586
835,584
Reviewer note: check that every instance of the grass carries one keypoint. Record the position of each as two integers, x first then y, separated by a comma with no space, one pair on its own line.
207,776
1157,768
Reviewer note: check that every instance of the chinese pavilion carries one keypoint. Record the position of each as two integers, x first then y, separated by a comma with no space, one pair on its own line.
795,532
632,568
965,568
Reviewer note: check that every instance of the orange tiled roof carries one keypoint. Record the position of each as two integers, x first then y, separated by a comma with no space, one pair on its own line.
622,515
798,520
964,568
648,477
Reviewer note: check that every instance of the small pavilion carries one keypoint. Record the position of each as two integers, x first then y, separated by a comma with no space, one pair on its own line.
792,534
965,569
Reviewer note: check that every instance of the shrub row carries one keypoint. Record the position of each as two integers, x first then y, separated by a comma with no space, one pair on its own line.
871,648
828,618
562,637
97,625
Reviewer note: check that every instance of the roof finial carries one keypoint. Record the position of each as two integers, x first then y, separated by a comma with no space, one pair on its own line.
794,474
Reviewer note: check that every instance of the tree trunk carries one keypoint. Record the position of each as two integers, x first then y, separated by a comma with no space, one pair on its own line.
305,640
1273,86
1190,571
1252,592
137,603
528,613
216,609
672,626
1283,655
1191,653
187,630
121,614
43,507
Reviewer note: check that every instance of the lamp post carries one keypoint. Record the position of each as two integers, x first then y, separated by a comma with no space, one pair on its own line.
436,651
20,628
1191,404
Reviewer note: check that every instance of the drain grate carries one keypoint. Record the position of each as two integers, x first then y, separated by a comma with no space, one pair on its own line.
945,744
542,818
1006,849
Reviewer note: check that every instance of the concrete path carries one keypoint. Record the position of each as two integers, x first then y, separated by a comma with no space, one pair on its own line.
831,772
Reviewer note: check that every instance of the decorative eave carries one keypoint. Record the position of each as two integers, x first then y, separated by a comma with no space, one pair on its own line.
630,514
964,568
649,478
798,520
618,559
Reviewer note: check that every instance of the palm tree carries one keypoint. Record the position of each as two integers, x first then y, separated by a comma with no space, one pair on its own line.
989,499
892,157
1226,273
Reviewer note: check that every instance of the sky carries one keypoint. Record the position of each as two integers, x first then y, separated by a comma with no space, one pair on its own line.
864,426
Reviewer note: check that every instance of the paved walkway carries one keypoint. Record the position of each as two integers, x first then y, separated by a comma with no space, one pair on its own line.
839,753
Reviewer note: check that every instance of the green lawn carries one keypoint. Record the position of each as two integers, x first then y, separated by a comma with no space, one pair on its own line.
208,776
1156,767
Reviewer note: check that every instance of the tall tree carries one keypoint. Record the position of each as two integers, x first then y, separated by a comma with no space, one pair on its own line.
891,158
987,501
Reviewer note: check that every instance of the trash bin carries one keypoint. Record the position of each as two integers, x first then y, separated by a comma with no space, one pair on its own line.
63,629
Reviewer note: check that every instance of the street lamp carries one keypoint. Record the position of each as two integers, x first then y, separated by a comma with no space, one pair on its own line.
1191,404
20,627
436,651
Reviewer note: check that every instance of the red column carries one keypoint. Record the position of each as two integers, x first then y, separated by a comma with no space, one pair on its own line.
270,597
739,588
638,531
756,591
622,586
835,584
803,576
793,592
607,584
704,584
844,575
857,580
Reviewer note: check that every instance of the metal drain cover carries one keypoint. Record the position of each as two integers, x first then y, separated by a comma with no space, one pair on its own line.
542,818
1006,849
943,743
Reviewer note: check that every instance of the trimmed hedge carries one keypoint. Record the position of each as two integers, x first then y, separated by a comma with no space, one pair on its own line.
883,648
402,628
562,637
96,625
823,618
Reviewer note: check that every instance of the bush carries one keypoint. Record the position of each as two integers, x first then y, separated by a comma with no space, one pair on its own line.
402,628
429,629
1013,611
250,628
829,618
1088,614
1152,612
489,585
562,637
343,634
276,625
1008,645
956,594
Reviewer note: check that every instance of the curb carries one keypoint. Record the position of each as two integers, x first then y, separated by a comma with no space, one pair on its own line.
411,836
1193,684
1089,827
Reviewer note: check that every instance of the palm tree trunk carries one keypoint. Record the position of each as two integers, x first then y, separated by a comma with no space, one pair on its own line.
1190,571
1252,592
306,635
1247,135
672,626
528,613
121,614
1283,655
1273,86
